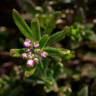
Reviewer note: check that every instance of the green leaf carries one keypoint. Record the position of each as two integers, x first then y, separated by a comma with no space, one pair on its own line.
28,6
83,91
59,52
51,24
29,72
22,25
53,51
56,37
48,22
35,26
44,40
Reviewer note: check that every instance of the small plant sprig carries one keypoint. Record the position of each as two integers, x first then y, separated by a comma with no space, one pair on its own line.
38,43
42,58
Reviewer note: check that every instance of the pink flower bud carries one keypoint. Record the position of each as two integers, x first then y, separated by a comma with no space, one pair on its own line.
36,44
30,63
44,54
27,43
24,55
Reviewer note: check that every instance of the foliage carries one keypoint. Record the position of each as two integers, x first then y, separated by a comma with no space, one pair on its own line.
53,56
45,71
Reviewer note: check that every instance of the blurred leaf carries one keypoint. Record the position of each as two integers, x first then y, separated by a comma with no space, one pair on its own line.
83,91
48,22
28,6
44,40
51,24
35,26
56,37
79,19
30,72
22,25
92,74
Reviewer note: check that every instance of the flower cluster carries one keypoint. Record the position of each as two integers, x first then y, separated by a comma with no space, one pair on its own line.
33,53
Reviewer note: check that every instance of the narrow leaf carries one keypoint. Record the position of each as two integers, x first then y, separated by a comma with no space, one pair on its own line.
58,51
56,37
35,26
22,25
44,40
51,24
53,51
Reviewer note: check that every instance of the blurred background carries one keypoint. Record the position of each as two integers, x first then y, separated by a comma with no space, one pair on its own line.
81,12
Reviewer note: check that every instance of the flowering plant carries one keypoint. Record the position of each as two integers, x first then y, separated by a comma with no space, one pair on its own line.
44,60
56,53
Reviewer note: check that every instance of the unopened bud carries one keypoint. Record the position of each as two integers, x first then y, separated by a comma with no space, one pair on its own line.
30,63
36,44
27,43
36,60
24,55
44,54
